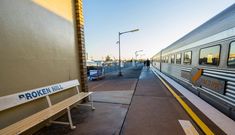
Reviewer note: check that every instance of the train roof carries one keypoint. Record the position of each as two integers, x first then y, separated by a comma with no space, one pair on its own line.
221,22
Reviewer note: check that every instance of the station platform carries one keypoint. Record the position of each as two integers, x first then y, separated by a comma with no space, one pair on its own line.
138,103
154,110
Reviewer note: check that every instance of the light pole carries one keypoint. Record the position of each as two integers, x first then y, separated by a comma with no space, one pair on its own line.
119,43
136,54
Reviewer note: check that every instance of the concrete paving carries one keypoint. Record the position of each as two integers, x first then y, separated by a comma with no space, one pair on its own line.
153,110
113,85
107,119
112,96
128,105
118,97
116,89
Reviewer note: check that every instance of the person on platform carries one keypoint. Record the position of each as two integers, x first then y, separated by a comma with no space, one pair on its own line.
148,63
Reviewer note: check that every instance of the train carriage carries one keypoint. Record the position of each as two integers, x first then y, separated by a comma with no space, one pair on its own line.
204,61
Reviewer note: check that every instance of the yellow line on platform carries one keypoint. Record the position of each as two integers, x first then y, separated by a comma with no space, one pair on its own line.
198,121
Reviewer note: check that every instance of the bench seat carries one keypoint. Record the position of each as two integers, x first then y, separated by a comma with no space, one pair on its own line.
31,121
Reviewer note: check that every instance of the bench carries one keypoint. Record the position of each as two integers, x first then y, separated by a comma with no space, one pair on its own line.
21,126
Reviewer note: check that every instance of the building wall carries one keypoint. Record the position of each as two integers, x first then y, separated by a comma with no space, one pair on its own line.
38,47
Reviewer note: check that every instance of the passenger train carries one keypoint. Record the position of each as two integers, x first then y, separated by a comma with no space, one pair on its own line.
204,61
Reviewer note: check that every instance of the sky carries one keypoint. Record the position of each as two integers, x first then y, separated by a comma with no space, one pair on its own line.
160,23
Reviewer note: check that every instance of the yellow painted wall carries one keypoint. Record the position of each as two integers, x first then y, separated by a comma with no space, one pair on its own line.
37,48
62,8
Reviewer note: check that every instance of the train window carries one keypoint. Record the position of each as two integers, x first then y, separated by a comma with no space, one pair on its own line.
187,57
157,59
210,55
172,58
231,59
167,59
163,59
178,58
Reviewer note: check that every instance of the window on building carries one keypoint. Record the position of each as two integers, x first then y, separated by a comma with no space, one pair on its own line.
187,57
231,59
210,55
178,58
172,58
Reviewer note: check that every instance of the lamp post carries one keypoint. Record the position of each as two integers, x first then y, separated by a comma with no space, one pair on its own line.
119,43
136,54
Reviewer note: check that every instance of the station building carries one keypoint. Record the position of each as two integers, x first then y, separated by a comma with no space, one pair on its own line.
41,43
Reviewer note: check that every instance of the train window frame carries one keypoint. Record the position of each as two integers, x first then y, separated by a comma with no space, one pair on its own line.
190,59
180,58
229,51
206,48
173,59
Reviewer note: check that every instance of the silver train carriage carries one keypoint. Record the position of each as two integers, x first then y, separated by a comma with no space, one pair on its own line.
204,61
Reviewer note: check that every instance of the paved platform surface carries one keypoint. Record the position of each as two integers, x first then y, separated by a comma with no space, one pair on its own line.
119,97
105,120
113,84
116,89
153,110
112,96
134,104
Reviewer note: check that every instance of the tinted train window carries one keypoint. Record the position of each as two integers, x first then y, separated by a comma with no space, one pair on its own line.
163,59
210,55
178,58
158,59
166,60
172,59
231,59
187,57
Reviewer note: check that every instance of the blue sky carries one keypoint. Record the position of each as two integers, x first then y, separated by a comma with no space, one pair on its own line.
161,22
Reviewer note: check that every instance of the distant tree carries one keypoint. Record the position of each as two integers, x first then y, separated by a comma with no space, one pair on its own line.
130,60
108,58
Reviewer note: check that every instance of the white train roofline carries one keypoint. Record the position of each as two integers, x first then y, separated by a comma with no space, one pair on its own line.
219,36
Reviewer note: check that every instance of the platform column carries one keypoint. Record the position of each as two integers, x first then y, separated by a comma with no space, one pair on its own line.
80,42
